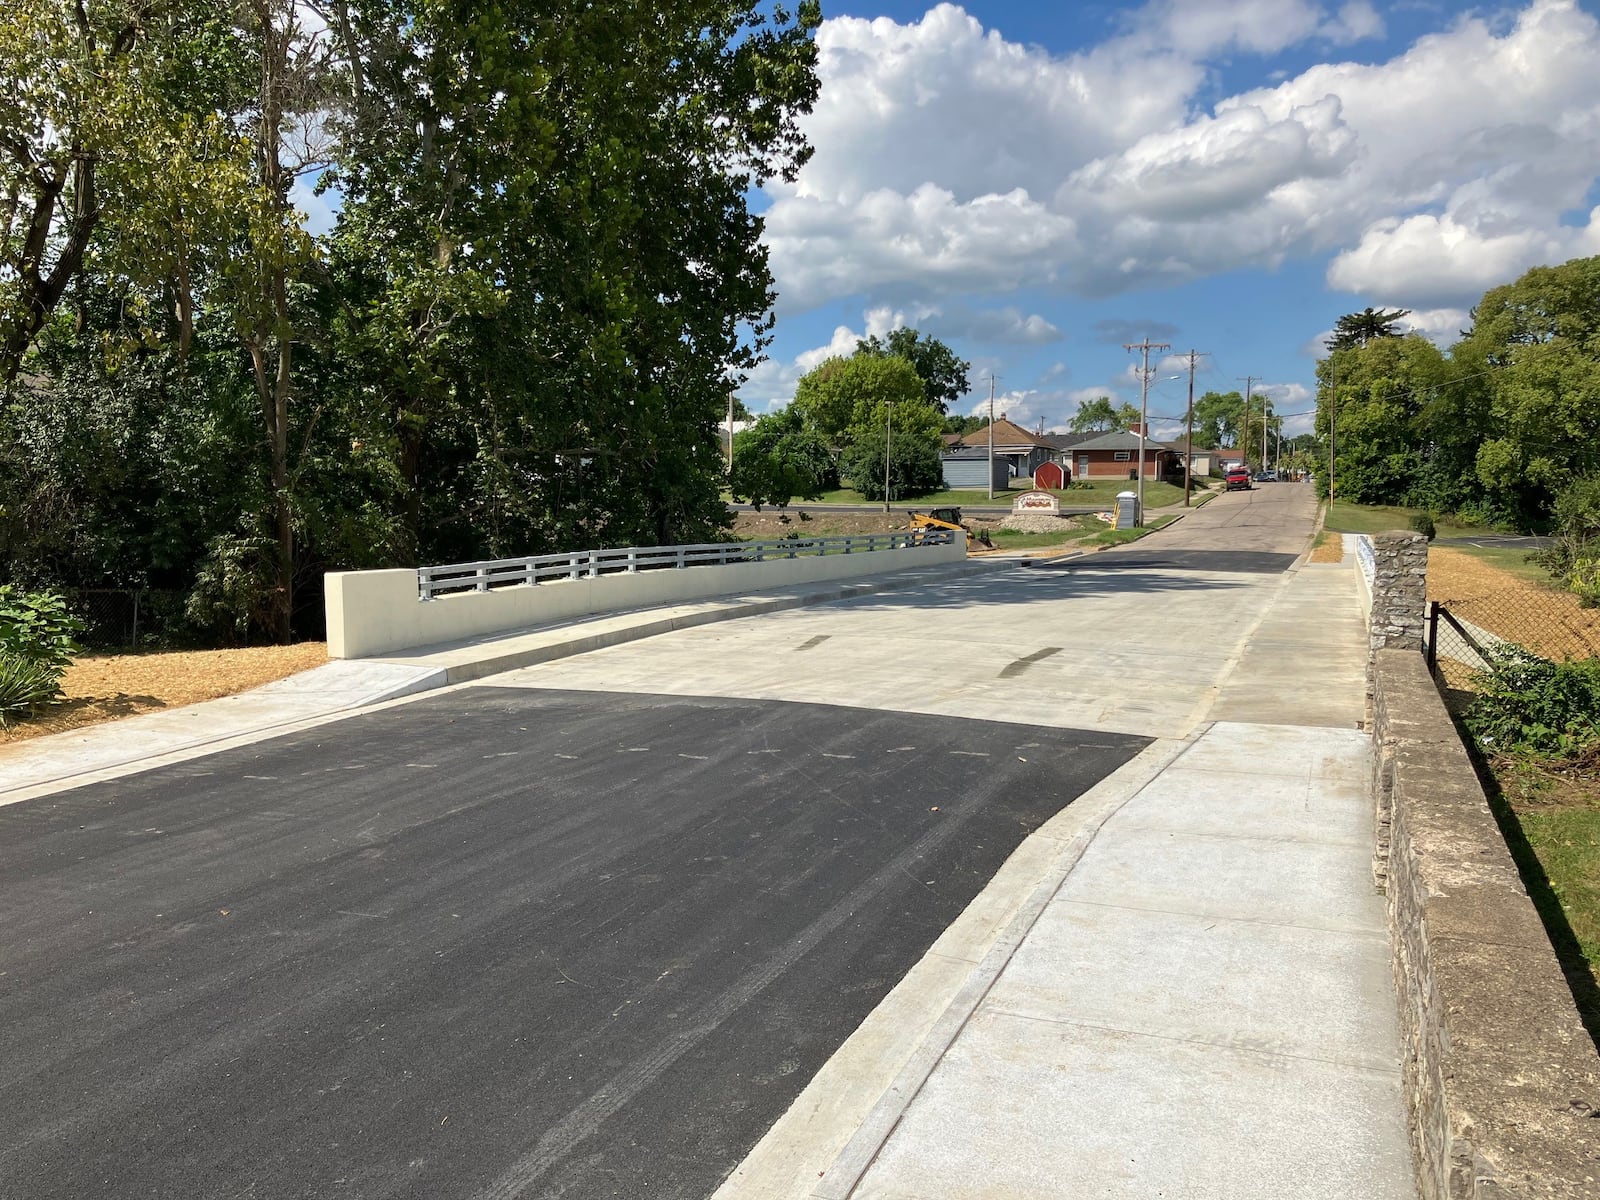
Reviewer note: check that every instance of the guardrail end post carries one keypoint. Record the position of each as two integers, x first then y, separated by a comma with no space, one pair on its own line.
1433,635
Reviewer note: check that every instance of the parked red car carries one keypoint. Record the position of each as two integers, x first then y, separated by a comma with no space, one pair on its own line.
1238,480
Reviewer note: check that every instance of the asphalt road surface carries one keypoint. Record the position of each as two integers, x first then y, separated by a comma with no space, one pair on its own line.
497,942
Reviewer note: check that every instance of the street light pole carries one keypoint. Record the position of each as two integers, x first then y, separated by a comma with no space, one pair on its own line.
1188,437
1333,417
991,436
888,436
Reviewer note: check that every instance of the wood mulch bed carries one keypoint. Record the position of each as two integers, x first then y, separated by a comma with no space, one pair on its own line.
1330,549
106,687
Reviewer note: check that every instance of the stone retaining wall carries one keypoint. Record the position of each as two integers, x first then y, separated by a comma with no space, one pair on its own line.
1399,590
1502,1080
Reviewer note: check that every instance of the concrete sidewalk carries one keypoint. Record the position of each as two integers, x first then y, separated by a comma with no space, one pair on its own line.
1179,987
336,689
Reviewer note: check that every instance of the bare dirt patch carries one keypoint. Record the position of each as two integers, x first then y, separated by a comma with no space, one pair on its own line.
770,524
107,687
775,523
1546,620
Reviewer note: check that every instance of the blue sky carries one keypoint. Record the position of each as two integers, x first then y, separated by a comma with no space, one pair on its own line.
1037,183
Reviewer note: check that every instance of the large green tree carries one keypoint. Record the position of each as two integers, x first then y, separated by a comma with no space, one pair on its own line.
1358,329
943,374
1102,415
1531,406
841,397
109,111
914,467
544,281
555,272
777,459
1383,389
1218,419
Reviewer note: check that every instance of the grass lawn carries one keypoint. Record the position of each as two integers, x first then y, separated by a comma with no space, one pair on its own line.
1512,562
1346,517
1552,825
1118,537
1100,492
1074,529
1567,841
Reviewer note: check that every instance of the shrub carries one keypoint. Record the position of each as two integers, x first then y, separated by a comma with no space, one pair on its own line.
36,627
914,466
1584,580
1531,705
36,644
1423,523
25,686
234,587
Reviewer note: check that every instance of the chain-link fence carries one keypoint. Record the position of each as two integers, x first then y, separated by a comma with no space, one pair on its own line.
122,618
1462,634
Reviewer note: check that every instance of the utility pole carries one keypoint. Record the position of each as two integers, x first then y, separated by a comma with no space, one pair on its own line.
730,435
991,435
1188,436
1144,396
888,436
1244,440
1266,423
1333,413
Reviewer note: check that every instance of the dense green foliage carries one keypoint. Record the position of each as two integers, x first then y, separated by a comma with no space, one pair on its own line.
542,282
943,375
852,404
962,425
37,641
1531,705
37,626
914,465
1494,430
1573,556
778,460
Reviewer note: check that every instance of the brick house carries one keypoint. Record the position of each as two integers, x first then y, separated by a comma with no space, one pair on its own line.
1116,456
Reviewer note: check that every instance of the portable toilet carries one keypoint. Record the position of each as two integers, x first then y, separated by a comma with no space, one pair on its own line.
1128,514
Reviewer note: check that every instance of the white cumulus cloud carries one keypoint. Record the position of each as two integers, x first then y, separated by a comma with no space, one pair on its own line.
951,161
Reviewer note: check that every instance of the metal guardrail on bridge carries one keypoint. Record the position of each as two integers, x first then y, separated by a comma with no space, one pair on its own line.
589,564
